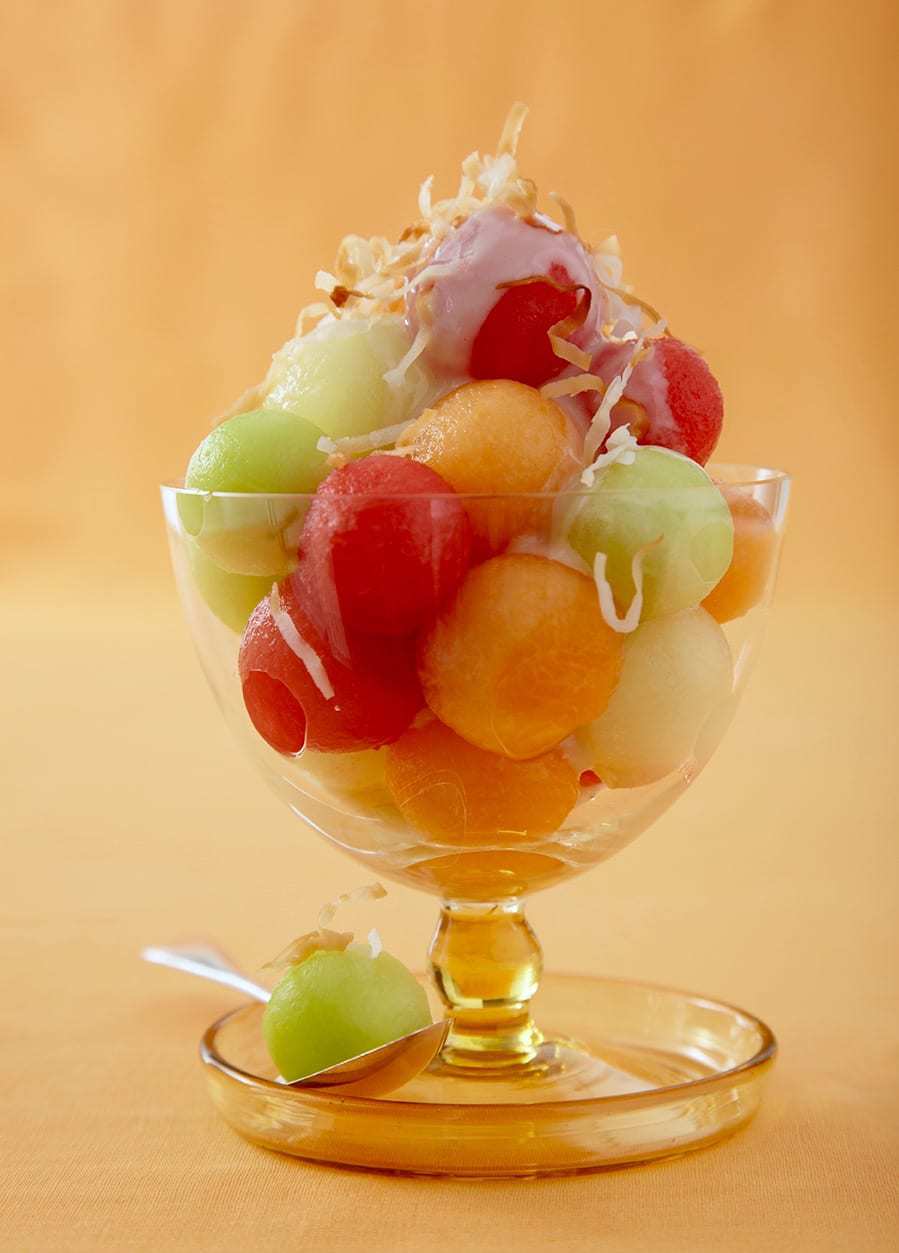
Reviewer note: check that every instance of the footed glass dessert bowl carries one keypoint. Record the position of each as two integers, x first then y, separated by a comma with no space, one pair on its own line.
516,694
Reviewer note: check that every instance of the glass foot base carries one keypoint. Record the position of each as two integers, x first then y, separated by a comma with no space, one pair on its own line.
632,1072
563,1070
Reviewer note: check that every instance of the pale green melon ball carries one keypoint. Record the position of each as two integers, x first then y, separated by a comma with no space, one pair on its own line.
349,773
335,1005
334,377
264,451
231,597
662,496
677,675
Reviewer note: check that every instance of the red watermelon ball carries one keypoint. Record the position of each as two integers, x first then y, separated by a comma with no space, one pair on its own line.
388,541
513,342
694,399
672,399
299,693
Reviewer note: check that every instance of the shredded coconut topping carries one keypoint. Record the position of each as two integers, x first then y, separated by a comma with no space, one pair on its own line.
325,281
370,275
396,377
298,646
620,446
572,386
570,352
631,619
370,278
602,419
512,128
323,938
349,444
368,892
567,212
424,196
305,945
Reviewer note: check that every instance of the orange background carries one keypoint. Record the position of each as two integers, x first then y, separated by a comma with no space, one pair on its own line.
172,175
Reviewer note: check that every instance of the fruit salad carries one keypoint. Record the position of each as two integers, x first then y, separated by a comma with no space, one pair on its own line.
464,539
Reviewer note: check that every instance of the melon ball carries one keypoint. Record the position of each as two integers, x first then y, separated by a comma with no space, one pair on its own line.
299,693
672,399
521,657
231,597
265,451
666,504
755,551
388,541
677,672
459,794
501,439
333,1006
333,377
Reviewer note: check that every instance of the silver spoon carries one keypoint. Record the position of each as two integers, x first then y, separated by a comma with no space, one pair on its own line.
374,1073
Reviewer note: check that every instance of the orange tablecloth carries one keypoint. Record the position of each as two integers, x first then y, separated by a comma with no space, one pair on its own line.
772,883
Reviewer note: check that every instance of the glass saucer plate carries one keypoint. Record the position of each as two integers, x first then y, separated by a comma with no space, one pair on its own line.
664,1072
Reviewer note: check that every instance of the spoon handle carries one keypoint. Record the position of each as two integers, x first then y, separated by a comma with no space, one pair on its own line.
207,963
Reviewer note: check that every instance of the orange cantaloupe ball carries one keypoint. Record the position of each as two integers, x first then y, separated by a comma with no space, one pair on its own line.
521,657
458,794
746,579
500,438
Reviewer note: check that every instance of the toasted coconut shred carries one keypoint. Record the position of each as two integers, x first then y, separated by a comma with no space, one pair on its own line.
602,420
368,892
305,945
620,446
298,646
631,620
396,377
346,445
567,212
572,386
322,938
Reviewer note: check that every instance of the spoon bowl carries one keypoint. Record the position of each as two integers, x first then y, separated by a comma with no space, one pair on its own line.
380,1070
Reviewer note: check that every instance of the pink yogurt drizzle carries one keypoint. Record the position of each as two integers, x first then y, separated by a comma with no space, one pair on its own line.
492,247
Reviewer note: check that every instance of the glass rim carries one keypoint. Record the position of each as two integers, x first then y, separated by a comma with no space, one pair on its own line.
743,475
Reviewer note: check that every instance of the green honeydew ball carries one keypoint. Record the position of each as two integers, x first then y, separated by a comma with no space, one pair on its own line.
334,377
231,597
264,451
335,1005
676,680
662,496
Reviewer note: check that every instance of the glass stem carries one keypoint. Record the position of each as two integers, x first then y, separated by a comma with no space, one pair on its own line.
487,962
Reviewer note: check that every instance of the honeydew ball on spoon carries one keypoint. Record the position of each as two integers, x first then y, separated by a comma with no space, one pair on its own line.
335,1005
266,451
334,376
664,510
